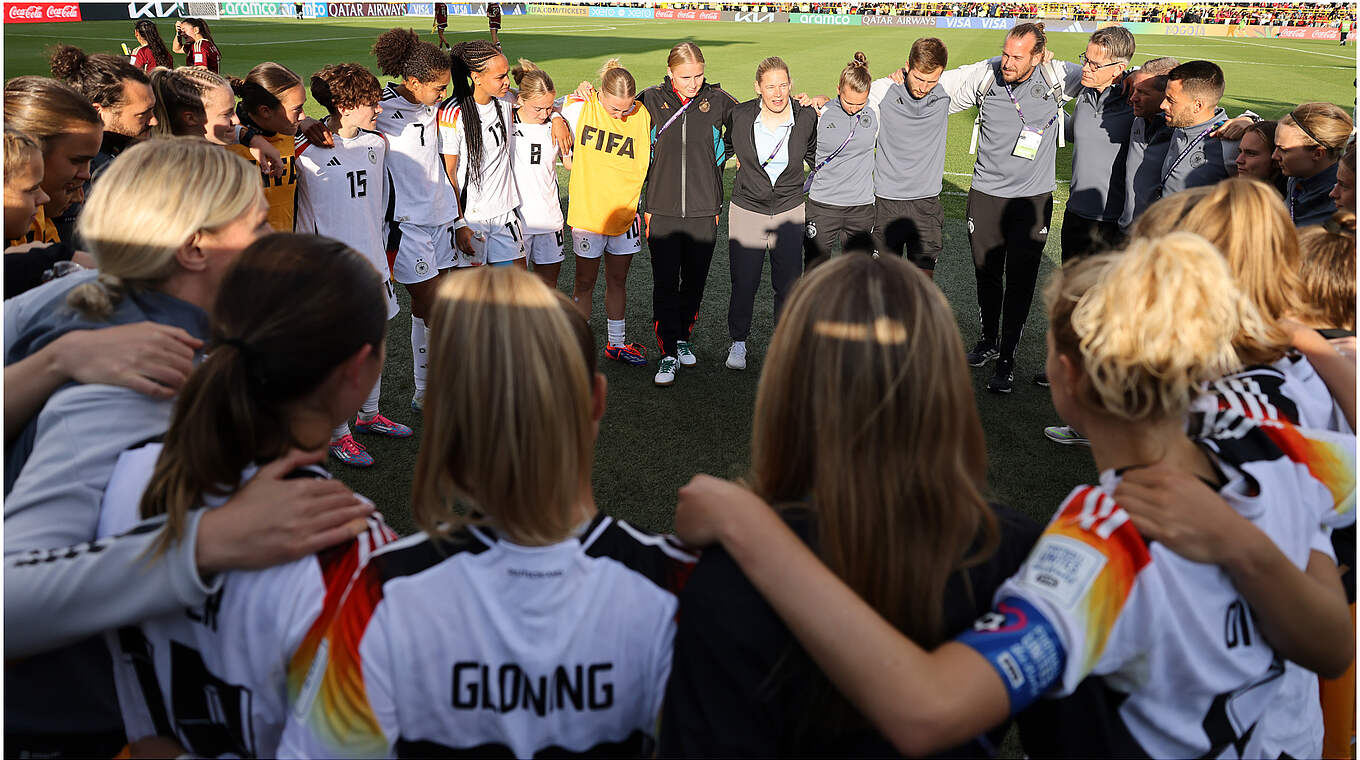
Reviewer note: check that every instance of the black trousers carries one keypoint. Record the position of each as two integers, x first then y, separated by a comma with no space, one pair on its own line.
750,236
911,228
844,226
682,249
1007,236
1083,237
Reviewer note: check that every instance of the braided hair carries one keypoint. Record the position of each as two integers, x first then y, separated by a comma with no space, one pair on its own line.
467,57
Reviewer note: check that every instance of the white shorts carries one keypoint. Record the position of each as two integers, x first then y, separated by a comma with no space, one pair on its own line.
422,250
495,240
590,245
545,247
390,294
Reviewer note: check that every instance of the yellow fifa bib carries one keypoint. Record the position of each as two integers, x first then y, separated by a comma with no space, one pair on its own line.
279,192
609,165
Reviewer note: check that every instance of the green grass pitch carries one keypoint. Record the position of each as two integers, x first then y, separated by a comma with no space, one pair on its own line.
653,440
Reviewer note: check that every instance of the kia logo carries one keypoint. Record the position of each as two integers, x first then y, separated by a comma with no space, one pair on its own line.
751,17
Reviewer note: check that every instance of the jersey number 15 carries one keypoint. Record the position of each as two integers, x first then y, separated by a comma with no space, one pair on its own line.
358,183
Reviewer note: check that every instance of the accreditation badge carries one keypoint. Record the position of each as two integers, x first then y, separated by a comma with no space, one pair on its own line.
1027,147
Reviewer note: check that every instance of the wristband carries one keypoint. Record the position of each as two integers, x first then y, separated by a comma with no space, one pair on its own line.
248,135
459,223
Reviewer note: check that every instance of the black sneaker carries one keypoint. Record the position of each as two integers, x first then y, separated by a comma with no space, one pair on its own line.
983,352
1041,379
1004,379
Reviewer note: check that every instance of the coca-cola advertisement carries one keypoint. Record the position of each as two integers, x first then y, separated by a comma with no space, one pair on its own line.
1310,33
41,13
683,15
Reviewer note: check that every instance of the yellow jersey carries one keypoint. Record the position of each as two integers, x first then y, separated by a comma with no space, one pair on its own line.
279,192
608,165
43,230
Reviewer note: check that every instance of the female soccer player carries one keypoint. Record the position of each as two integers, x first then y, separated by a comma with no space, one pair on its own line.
422,225
69,130
552,621
887,483
840,205
272,97
194,40
611,131
1309,142
772,137
151,52
1327,271
342,194
1344,191
24,196
1256,156
535,169
277,375
474,137
1175,678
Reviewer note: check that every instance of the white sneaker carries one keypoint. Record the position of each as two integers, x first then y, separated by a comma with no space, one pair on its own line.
736,355
665,371
685,353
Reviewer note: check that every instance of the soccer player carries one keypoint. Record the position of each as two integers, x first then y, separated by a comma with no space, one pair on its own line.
1095,598
194,40
151,51
24,195
1309,142
840,204
1327,271
441,22
739,685
535,168
1256,156
343,193
1344,191
475,127
214,676
422,222
532,623
272,97
1195,156
611,131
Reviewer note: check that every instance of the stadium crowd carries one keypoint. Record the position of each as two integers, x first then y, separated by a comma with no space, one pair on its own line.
183,577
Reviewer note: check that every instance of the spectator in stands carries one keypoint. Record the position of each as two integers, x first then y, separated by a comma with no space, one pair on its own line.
1308,146
1256,156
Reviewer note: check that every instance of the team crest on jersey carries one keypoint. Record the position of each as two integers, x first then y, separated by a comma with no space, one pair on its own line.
373,156
703,106
811,230
1197,160
585,244
1038,90
422,268
867,121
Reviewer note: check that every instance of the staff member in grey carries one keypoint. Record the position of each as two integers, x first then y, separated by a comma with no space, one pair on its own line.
1010,203
1196,156
1149,137
840,206
772,138
1308,146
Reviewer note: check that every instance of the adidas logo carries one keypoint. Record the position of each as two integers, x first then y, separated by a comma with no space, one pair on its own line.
333,162
1044,231
396,115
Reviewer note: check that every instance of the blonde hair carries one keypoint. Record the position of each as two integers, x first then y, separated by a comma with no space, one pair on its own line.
616,81
1327,268
684,52
531,80
1150,325
772,63
139,215
20,149
1248,223
44,108
1323,125
882,442
509,434
855,76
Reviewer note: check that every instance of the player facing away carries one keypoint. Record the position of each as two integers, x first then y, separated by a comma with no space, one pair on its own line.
424,208
474,137
531,622
343,194
219,677
441,22
535,168
612,135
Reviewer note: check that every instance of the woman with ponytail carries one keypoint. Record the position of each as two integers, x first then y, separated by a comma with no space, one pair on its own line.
535,169
151,52
840,205
272,97
194,40
277,376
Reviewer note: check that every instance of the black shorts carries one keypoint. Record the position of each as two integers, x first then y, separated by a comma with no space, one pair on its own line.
912,228
828,227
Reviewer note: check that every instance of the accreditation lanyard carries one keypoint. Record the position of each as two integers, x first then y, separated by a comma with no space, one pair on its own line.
778,147
808,184
1011,94
672,119
1188,149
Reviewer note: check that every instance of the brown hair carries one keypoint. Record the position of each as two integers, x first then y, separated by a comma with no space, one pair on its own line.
264,86
1199,79
202,27
772,63
19,150
508,438
99,77
882,443
176,95
684,52
273,345
1323,125
1327,269
468,57
1030,28
855,76
928,54
44,108
531,80
345,85
401,53
151,34
1348,157
615,80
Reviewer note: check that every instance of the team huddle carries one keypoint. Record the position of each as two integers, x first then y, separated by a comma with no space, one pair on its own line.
183,577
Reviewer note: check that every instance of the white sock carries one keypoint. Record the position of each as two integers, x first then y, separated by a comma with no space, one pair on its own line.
615,332
370,408
420,339
340,432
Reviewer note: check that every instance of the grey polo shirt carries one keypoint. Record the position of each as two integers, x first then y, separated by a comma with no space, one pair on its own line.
848,179
1000,173
1192,162
1149,140
1309,199
1101,122
909,164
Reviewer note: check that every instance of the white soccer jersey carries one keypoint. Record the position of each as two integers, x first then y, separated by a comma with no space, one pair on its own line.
1185,672
535,167
220,678
474,644
343,193
495,193
421,191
